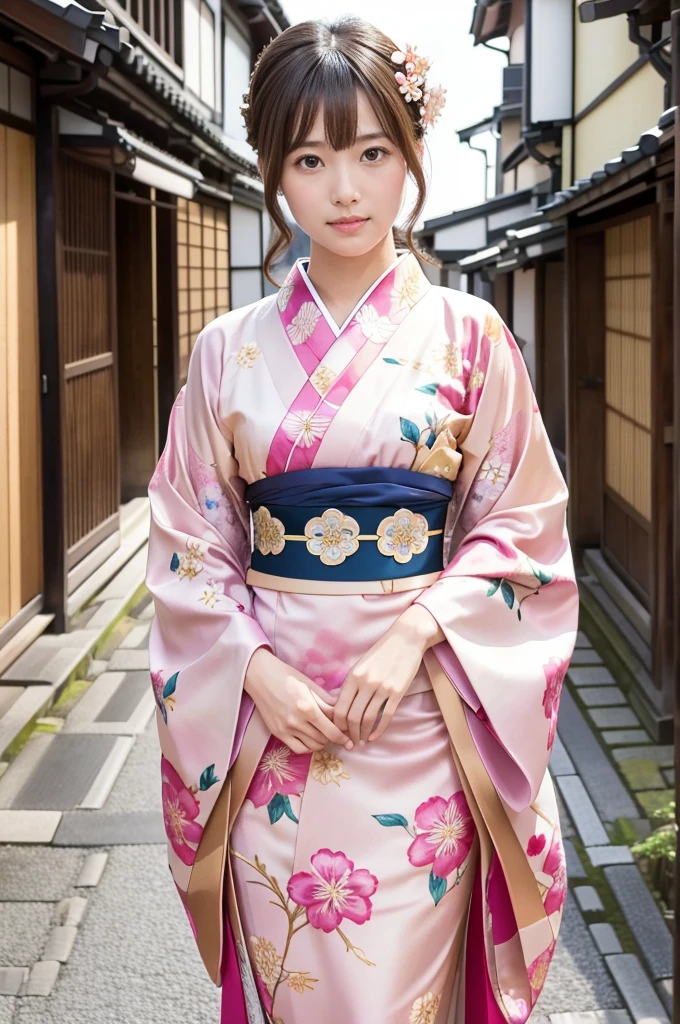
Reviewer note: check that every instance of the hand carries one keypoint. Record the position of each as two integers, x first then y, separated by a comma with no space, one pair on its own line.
382,676
293,707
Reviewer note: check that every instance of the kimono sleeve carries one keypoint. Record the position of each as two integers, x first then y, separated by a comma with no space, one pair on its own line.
204,632
507,600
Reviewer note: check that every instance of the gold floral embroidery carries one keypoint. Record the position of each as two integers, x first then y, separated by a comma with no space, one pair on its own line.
300,981
326,767
447,357
332,536
285,292
247,355
493,328
403,535
213,593
476,380
268,532
322,379
303,323
424,1010
267,960
373,326
191,563
495,471
408,282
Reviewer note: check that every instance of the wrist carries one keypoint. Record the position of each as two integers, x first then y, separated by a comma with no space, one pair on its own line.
258,668
420,627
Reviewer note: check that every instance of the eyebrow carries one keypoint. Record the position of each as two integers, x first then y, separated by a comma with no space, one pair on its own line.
371,136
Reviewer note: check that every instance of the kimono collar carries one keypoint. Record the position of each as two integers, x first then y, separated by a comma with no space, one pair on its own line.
301,307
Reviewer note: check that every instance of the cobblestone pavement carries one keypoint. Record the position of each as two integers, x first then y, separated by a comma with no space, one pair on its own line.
91,928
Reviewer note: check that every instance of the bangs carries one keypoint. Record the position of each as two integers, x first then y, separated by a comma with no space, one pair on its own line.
333,83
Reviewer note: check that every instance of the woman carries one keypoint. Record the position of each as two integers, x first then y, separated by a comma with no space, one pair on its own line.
355,740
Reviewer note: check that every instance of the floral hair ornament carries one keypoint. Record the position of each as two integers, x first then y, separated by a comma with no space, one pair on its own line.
412,84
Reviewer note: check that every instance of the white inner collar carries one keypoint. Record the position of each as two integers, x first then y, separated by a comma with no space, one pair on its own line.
303,261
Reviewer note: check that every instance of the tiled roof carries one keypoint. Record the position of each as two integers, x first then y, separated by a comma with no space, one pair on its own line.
92,18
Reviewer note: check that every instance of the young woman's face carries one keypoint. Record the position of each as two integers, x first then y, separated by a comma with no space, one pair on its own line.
364,184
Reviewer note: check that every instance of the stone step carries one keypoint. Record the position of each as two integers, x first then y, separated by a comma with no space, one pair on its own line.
644,918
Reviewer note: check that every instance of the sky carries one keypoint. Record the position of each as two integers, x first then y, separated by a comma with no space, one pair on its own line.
471,74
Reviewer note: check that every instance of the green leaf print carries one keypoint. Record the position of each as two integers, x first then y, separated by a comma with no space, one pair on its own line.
276,808
288,810
508,593
174,562
208,778
437,887
390,820
409,430
428,389
170,686
495,584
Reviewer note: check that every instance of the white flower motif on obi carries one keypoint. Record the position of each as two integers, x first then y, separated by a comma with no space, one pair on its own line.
191,563
424,1010
325,767
305,426
268,532
213,593
303,323
332,536
495,471
322,379
373,326
403,535
285,292
407,282
247,355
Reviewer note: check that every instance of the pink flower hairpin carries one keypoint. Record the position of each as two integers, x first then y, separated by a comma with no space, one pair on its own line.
412,85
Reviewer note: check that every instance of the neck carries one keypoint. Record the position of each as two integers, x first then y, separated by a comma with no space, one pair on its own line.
342,280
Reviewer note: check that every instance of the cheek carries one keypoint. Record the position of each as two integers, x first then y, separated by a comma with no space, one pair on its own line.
301,195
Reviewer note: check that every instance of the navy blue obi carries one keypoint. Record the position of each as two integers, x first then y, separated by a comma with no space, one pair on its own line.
346,525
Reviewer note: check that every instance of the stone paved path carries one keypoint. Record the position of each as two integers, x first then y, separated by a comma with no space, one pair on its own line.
91,928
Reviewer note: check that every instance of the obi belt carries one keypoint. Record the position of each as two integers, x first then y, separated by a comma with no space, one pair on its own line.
363,530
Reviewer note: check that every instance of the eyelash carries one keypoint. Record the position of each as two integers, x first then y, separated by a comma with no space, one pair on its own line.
372,149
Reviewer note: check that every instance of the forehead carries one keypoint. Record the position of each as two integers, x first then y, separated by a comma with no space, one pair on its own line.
367,120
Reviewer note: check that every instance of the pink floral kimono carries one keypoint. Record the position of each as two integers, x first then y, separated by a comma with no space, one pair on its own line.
419,878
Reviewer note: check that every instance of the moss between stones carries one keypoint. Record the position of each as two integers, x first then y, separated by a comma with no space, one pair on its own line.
612,913
641,774
70,696
654,799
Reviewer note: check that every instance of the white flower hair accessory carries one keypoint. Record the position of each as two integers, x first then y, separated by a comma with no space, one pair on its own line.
412,85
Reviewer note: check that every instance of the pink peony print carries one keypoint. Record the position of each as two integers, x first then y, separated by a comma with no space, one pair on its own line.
453,395
333,891
536,845
555,671
180,810
538,971
279,771
328,662
447,833
556,865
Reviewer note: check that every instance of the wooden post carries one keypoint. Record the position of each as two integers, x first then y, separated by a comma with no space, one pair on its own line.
675,37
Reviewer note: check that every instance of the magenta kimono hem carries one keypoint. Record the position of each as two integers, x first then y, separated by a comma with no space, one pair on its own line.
421,878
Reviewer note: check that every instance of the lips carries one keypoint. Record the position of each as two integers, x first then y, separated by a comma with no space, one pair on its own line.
348,220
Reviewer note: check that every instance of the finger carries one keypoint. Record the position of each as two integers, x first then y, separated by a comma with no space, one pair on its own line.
343,703
355,714
296,745
388,712
311,735
370,715
330,730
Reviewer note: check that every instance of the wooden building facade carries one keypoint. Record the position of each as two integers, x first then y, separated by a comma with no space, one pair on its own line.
131,214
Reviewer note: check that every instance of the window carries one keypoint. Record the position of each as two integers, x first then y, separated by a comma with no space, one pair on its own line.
16,93
236,79
160,19
202,271
199,50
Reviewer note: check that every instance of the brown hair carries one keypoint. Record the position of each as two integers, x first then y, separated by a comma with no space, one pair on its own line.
314,62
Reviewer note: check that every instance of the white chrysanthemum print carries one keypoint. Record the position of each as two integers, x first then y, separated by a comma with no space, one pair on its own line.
447,358
424,1010
407,283
325,767
285,292
495,471
247,355
373,326
322,379
305,426
303,323
191,563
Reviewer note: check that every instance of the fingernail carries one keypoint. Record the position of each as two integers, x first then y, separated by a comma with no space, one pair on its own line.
362,743
349,745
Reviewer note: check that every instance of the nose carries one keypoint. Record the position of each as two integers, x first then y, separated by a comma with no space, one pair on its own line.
345,191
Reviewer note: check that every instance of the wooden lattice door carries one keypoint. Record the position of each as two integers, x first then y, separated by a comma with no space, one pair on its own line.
89,422
628,412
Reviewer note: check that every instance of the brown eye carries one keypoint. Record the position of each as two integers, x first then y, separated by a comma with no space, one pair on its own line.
374,154
310,156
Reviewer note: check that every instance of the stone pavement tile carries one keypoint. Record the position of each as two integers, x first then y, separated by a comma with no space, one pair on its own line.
8,695
22,767
60,943
137,635
12,980
664,989
37,873
30,703
601,779
644,918
560,762
606,938
7,1009
588,899
70,911
614,718
132,660
143,763
582,811
566,824
42,978
28,826
601,855
105,613
614,737
637,991
592,1017
582,640
654,799
93,700
103,783
585,656
575,868
642,774
93,828
578,980
596,675
92,870
65,774
145,612
662,755
24,928
669,776
601,696
123,703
